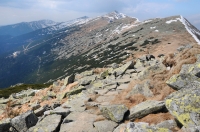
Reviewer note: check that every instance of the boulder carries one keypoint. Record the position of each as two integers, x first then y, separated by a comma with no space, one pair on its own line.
79,122
143,89
40,111
105,126
143,127
170,124
49,124
104,74
5,125
87,73
75,91
156,68
184,105
24,121
87,80
114,65
114,112
69,79
60,111
184,81
121,70
145,108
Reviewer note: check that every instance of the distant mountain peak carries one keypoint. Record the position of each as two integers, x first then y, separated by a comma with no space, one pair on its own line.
115,15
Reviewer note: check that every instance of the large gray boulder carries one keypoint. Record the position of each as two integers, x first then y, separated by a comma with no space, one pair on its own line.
184,81
114,112
24,121
105,126
145,108
49,124
184,105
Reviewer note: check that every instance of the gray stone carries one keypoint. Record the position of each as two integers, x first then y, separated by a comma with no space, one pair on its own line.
5,125
101,99
114,112
143,89
122,87
60,111
184,106
104,74
40,111
114,65
78,126
87,73
49,124
145,108
184,81
120,128
105,126
79,122
87,80
143,127
24,121
167,124
69,79
121,70
3,101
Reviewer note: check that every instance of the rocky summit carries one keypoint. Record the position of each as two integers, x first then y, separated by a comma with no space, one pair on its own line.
122,75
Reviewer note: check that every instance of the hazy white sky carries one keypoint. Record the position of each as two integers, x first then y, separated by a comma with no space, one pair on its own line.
15,11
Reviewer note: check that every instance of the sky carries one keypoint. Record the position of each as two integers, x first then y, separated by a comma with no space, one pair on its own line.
15,11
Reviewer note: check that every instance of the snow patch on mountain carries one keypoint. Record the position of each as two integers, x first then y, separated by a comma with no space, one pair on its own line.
191,29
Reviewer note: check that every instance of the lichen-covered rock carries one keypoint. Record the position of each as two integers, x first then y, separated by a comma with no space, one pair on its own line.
121,70
104,74
143,127
49,124
185,81
5,125
184,105
159,67
24,121
105,126
69,79
87,80
145,108
75,91
114,112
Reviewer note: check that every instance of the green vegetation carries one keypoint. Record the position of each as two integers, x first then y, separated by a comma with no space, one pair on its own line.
8,91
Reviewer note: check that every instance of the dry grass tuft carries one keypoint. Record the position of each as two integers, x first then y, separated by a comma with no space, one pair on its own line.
155,118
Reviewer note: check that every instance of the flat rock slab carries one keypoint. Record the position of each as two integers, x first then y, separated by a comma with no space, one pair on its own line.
78,126
184,105
105,126
122,87
114,112
102,99
121,70
60,111
24,121
49,124
79,122
77,103
145,108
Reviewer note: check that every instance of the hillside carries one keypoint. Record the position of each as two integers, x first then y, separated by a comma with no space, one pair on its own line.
84,44
110,73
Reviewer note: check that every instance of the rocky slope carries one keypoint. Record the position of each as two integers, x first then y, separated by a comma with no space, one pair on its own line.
154,88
